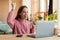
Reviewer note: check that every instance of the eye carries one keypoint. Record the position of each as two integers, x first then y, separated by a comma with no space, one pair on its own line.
24,12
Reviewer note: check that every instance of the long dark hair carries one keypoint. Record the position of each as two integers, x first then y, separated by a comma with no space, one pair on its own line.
19,11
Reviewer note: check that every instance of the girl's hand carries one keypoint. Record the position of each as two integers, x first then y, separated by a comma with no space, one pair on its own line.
34,23
13,5
34,27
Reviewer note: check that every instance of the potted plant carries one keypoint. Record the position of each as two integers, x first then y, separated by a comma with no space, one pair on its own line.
52,16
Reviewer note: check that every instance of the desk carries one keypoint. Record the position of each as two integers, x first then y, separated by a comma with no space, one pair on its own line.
13,37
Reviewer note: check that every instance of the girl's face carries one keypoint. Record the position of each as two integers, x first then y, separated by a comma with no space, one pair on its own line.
23,14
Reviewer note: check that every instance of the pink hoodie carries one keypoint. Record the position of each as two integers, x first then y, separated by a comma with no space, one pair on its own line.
19,26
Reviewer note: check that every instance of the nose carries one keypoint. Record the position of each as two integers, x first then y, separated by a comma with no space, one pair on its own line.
25,13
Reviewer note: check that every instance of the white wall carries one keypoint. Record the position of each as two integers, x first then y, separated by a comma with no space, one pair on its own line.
41,5
47,5
58,12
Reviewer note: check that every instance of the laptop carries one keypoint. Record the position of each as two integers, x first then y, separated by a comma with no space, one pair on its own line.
44,29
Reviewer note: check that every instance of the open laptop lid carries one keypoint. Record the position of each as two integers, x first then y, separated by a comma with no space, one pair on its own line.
44,28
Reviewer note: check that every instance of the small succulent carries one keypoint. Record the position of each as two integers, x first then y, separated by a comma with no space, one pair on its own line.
39,17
